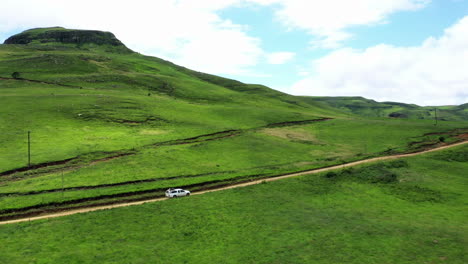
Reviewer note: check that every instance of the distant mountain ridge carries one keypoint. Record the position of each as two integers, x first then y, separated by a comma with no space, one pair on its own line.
370,108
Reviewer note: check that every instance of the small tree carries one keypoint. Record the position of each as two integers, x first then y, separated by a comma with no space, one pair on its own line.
15,75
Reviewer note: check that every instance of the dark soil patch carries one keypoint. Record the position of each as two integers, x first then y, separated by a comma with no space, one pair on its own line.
37,166
463,136
71,163
201,138
37,81
301,122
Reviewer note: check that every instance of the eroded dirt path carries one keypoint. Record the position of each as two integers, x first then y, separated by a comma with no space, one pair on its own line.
117,205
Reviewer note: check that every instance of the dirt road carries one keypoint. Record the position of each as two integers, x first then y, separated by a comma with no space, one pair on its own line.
96,208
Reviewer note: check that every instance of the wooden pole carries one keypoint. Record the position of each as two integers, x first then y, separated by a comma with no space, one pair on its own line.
62,184
29,148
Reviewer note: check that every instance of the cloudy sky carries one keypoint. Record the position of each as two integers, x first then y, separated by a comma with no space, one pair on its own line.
413,51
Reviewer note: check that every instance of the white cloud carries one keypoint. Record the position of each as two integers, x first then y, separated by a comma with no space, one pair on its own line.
167,26
433,73
327,21
186,32
191,32
280,57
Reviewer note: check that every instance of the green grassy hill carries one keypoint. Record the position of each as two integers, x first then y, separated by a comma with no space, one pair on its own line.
370,108
108,124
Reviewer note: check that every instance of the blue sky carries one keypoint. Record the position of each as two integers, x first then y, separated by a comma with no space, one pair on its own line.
413,51
408,28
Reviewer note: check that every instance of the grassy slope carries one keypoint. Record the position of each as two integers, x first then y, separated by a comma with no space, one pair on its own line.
112,110
410,211
98,101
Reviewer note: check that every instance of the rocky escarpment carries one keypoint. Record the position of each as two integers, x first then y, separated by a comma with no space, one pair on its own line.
65,36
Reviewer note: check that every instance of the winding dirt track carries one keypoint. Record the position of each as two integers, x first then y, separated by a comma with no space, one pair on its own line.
96,208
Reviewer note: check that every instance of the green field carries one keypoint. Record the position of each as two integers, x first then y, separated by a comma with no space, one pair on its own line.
108,124
149,170
411,210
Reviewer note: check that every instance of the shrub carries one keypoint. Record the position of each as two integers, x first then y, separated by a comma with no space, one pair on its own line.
15,75
397,164
384,176
460,155
331,174
378,173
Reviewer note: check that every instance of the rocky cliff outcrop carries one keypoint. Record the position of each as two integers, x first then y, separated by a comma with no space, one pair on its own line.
66,36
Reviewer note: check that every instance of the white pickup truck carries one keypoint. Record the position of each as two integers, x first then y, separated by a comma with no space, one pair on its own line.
173,193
